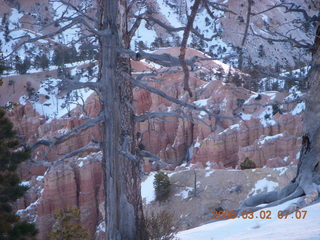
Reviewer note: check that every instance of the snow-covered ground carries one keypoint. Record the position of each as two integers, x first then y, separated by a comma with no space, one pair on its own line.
261,229
147,189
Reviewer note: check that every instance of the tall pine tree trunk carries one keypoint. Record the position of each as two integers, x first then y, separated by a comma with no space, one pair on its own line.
123,205
308,174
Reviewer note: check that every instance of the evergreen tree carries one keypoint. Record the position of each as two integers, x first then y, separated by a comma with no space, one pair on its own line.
2,63
67,225
5,23
87,51
58,57
11,155
22,67
64,54
161,186
41,61
247,164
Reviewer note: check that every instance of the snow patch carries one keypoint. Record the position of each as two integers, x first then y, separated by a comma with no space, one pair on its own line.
299,108
209,173
235,126
266,118
263,185
261,229
101,228
201,102
25,184
185,193
269,138
197,144
202,114
281,170
271,94
39,178
245,116
14,19
147,189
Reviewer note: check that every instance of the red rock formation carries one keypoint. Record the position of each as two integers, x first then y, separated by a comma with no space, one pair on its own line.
219,143
223,143
77,183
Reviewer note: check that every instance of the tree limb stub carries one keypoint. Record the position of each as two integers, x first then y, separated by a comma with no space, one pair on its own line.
125,150
154,158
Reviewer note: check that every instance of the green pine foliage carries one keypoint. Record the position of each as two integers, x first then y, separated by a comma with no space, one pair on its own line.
247,164
11,155
42,61
161,186
2,63
67,225
22,66
64,54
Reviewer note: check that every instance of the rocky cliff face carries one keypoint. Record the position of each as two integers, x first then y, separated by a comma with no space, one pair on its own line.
258,126
249,125
216,189
77,182
263,127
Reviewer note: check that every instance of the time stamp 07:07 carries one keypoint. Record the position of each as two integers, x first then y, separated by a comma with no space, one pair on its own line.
299,214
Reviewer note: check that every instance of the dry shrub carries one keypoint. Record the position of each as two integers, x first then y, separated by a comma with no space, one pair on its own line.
161,225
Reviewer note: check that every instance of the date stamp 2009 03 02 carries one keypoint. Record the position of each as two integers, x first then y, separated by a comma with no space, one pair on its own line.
299,214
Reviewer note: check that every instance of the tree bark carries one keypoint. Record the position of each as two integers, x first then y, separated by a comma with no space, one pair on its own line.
308,169
123,204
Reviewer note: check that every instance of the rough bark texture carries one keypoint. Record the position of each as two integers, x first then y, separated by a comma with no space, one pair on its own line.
123,207
307,168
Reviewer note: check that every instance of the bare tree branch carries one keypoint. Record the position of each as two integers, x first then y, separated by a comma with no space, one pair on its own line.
90,145
70,85
217,6
268,9
126,152
284,39
177,101
291,7
149,18
182,55
147,116
247,23
79,11
74,21
163,59
72,133
154,158
134,28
